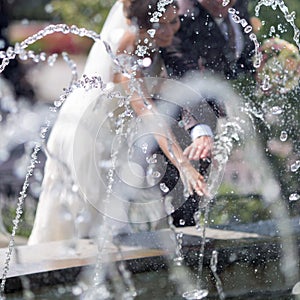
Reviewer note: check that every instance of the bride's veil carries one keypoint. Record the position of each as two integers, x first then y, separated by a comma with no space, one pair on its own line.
99,62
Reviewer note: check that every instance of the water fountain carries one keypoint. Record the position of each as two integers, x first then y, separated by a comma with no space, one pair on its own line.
242,264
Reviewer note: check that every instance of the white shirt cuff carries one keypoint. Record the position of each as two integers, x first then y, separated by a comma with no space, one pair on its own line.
201,130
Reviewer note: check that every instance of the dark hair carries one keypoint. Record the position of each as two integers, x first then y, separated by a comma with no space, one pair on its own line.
141,11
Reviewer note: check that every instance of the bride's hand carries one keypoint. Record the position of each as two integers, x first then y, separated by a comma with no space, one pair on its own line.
192,179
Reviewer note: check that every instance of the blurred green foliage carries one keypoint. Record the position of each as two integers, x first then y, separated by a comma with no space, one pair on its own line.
273,21
90,14
30,10
269,130
238,209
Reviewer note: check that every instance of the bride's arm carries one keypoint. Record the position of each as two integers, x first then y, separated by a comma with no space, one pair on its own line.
191,178
143,105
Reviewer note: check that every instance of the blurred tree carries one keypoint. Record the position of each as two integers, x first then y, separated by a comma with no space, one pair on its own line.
89,14
279,131
31,9
273,22
15,72
83,13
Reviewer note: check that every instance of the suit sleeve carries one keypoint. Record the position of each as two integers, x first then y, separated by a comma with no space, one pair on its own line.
177,60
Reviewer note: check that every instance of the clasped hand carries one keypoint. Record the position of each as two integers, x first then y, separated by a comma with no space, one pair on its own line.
201,148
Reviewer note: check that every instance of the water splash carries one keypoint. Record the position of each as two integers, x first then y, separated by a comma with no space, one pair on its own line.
86,83
51,60
16,221
248,30
126,275
213,267
289,16
178,236
195,294
98,288
178,252
225,2
19,49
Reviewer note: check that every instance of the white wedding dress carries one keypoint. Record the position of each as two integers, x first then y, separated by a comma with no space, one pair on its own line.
71,179
84,183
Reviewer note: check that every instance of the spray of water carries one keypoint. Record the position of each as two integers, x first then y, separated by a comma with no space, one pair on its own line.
290,17
86,83
95,82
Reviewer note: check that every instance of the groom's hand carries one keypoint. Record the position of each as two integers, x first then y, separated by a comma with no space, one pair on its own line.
200,148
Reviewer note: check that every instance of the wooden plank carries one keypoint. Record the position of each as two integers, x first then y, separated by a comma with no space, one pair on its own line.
59,255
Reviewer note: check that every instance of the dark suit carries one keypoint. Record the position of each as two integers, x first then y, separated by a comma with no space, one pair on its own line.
200,37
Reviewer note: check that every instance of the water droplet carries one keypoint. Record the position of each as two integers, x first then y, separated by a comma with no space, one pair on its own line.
244,23
2,54
168,205
197,216
291,17
43,56
152,159
294,197
57,103
186,193
144,147
164,188
75,188
141,50
257,63
178,260
181,123
233,257
151,32
225,2
248,29
266,85
195,294
236,19
283,136
149,106
146,62
252,37
231,10
77,290
276,110
52,59
295,167
156,174
181,222
198,227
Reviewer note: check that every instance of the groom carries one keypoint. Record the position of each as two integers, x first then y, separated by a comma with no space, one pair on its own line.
208,40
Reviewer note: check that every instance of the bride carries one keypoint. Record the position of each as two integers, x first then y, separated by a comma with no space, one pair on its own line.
89,175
